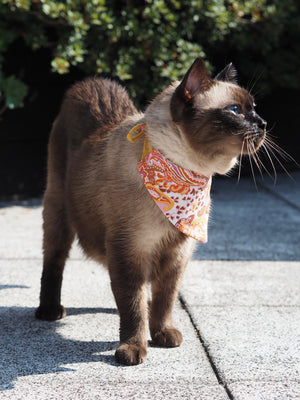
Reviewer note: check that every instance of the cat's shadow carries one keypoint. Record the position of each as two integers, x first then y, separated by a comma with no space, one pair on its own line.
29,346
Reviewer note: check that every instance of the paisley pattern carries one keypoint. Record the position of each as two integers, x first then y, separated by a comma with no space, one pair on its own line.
182,195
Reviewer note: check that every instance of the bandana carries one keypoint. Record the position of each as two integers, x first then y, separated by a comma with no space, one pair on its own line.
181,194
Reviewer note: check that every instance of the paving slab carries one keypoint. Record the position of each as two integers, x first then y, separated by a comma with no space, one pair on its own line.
73,358
21,229
242,283
244,339
252,223
248,316
21,226
284,187
265,390
246,223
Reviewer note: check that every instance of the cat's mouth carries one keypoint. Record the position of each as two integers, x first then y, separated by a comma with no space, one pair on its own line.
252,142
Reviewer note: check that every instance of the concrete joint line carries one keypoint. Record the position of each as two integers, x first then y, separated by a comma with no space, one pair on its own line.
278,196
205,347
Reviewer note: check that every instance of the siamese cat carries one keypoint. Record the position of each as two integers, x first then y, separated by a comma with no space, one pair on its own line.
95,190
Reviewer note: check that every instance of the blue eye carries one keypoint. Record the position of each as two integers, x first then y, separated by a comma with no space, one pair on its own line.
234,109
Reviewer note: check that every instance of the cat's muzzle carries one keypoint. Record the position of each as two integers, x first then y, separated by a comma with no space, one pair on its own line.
254,140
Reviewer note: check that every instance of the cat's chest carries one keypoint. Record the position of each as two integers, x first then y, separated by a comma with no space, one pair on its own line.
155,233
152,231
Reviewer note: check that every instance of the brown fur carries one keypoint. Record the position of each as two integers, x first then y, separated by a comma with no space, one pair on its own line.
94,191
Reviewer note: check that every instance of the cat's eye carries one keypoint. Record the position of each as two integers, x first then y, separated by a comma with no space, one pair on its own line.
234,109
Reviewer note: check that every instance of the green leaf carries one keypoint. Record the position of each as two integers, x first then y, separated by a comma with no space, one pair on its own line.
14,91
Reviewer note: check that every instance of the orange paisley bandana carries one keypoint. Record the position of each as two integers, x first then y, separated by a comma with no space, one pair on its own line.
182,195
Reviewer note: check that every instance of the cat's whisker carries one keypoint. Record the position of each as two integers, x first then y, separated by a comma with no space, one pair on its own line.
249,135
271,161
251,165
277,150
272,150
263,166
254,156
280,151
280,163
255,80
240,161
270,130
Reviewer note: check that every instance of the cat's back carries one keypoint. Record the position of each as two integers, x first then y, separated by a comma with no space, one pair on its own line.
92,108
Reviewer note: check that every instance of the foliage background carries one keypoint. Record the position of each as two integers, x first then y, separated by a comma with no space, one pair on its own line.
46,45
152,41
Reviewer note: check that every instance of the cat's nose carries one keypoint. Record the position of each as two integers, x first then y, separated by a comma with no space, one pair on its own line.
261,123
256,119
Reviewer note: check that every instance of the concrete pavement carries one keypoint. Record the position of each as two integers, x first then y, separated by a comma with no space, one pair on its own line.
239,310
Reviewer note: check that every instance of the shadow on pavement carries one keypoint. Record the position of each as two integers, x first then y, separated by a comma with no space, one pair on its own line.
30,347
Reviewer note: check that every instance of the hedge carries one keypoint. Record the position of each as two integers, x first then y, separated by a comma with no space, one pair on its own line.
147,44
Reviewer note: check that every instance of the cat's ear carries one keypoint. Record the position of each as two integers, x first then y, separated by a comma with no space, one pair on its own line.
228,74
195,81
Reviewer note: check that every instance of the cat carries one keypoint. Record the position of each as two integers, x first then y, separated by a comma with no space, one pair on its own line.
95,190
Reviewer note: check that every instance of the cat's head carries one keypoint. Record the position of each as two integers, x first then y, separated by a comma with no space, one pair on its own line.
213,120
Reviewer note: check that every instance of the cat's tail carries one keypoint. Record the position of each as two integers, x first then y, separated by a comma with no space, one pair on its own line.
92,108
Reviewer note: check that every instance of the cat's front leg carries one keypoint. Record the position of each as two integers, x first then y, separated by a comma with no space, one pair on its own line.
165,286
129,288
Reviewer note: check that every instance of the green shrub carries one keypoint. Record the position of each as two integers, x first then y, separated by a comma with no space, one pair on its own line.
146,44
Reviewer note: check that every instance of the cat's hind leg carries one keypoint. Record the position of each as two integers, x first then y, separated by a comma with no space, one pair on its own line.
58,238
58,233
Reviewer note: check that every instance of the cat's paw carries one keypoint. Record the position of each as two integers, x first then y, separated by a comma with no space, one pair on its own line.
130,354
167,338
50,313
